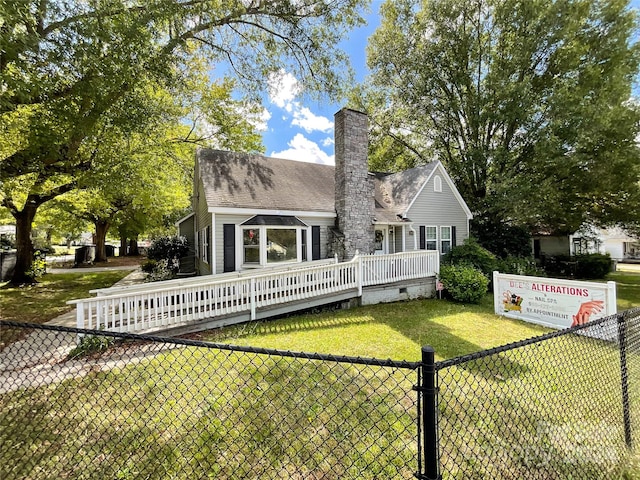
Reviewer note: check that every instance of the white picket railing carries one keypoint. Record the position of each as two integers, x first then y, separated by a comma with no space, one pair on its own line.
184,282
397,267
152,306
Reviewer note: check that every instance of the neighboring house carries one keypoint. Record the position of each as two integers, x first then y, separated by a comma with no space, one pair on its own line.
614,241
7,234
250,211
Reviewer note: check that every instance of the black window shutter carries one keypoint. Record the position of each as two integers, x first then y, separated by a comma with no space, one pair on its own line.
229,249
208,244
453,236
423,239
315,243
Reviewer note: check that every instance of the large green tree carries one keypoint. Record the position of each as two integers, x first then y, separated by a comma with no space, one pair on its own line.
527,103
69,69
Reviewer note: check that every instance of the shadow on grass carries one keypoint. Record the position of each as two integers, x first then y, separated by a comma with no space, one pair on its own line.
194,413
422,322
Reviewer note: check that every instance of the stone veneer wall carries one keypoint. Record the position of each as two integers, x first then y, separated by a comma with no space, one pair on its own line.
354,188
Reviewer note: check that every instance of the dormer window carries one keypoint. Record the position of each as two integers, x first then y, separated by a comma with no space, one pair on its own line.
437,184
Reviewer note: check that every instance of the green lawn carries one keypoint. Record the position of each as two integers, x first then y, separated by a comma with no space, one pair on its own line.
47,299
198,413
396,330
399,330
627,288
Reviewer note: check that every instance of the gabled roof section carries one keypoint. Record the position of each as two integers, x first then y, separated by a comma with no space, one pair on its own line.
397,191
242,180
443,171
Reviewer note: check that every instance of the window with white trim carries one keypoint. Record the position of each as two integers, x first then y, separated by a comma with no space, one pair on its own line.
431,238
437,184
204,237
251,245
264,244
282,245
445,240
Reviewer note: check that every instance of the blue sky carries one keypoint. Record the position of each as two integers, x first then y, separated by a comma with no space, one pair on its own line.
302,129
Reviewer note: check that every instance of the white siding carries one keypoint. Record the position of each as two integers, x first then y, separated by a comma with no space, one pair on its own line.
221,219
437,209
203,220
324,223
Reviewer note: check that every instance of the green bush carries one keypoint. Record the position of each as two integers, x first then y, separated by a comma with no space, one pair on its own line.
592,266
38,266
162,270
559,266
464,283
166,252
168,248
499,237
471,253
89,345
148,266
519,266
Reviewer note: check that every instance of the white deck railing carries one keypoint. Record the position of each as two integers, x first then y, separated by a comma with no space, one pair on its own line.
381,269
154,306
185,282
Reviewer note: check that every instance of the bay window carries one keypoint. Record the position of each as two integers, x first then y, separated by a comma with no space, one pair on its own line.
282,245
273,239
251,245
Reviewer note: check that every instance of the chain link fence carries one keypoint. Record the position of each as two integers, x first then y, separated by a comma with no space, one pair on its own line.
563,405
130,407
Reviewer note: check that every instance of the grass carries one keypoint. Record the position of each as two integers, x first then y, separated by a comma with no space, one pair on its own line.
47,299
396,330
200,413
627,289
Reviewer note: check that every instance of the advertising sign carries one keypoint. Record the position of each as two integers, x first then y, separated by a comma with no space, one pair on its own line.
552,302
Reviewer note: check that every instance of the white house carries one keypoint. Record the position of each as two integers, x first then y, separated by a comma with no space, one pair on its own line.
251,211
613,241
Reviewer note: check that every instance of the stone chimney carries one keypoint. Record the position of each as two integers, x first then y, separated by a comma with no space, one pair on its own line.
354,196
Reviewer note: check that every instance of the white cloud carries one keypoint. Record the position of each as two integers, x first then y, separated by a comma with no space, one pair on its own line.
262,120
327,142
309,121
283,89
304,150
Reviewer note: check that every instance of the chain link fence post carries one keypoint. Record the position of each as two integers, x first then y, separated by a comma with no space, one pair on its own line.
624,378
428,392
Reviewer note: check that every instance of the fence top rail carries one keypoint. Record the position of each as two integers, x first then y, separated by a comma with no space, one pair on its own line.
376,362
178,282
132,292
635,312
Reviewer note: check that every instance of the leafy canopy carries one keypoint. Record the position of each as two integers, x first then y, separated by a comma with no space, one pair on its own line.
527,103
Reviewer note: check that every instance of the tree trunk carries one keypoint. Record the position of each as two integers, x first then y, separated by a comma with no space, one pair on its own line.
133,247
24,245
123,246
102,227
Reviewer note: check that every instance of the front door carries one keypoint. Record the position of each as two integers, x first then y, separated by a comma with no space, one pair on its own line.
380,244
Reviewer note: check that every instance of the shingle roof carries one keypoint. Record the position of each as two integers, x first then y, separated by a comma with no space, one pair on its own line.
396,191
242,180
